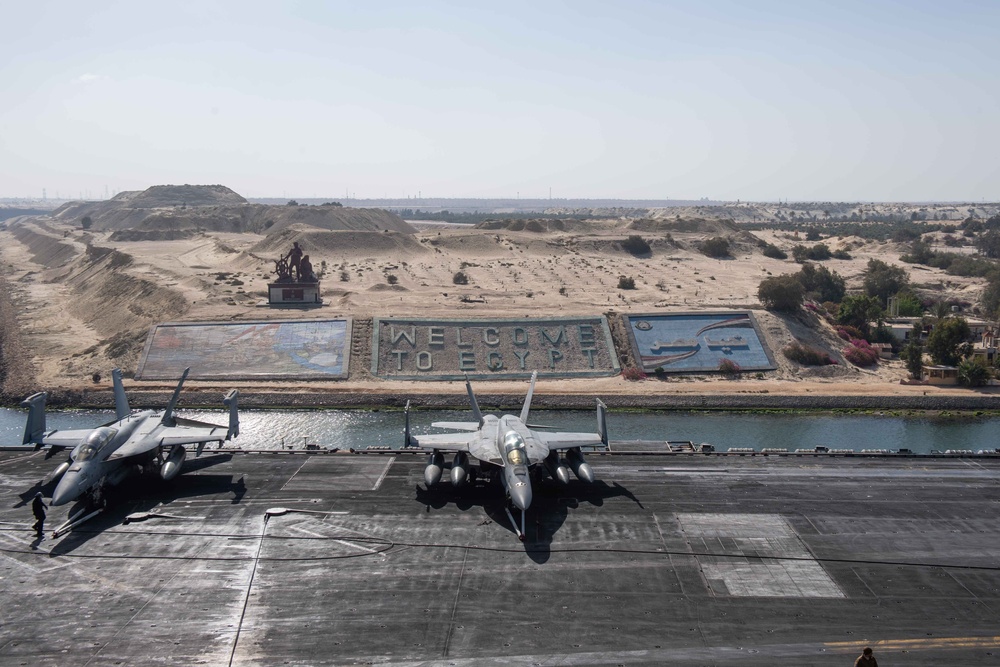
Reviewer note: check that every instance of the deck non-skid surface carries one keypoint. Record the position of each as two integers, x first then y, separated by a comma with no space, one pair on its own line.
346,559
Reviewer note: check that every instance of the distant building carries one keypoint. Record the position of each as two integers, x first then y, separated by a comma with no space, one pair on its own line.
940,375
884,350
902,327
978,327
986,349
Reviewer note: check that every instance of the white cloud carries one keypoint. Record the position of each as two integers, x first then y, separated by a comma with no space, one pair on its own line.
90,78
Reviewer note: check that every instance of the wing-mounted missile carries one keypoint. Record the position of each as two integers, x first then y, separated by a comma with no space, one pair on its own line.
460,469
579,465
557,468
172,466
435,465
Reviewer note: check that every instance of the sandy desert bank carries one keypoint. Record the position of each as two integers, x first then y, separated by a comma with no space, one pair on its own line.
80,302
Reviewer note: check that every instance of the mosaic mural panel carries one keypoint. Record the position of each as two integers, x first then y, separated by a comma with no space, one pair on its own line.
299,349
697,342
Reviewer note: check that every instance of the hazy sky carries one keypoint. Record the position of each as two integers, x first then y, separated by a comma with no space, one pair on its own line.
836,100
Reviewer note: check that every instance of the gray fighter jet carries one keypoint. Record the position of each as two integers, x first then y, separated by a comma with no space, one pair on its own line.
134,442
509,447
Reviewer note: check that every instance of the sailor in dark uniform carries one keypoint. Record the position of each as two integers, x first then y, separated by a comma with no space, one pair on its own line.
38,509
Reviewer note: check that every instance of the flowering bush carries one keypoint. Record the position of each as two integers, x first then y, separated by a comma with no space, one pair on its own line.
633,374
730,368
807,356
860,353
847,332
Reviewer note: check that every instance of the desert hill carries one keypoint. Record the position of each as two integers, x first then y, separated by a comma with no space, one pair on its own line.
165,211
160,196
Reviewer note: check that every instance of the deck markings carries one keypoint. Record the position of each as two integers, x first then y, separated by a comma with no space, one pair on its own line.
319,473
755,536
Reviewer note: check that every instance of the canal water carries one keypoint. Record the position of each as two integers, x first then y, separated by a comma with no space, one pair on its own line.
359,429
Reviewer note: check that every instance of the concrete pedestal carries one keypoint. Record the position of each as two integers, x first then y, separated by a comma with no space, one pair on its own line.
294,294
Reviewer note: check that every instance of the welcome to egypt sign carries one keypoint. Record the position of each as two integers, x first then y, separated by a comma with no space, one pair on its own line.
445,349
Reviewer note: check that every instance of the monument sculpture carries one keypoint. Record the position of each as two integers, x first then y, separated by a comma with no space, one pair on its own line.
297,284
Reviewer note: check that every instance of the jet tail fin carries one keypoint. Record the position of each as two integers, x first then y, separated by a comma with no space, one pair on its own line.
602,421
230,401
168,414
527,399
406,425
476,412
34,428
122,409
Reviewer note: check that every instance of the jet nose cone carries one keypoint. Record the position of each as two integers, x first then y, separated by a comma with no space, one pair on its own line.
520,495
68,489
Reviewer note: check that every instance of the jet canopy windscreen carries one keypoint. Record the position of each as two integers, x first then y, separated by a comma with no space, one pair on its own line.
94,443
513,445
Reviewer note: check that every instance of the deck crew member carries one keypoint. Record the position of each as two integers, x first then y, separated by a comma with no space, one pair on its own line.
38,509
866,659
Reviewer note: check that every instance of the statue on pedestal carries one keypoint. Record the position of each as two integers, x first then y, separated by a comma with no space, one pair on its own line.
297,262
297,283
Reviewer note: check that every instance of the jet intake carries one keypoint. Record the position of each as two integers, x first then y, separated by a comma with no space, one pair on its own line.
557,468
432,473
460,469
172,466
116,477
579,465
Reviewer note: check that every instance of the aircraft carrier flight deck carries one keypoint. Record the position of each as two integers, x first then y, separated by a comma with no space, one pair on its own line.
341,559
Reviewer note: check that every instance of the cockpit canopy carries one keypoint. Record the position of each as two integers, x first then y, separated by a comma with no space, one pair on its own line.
95,442
513,446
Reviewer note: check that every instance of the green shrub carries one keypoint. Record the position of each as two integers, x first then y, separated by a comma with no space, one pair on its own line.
716,247
636,245
774,252
782,293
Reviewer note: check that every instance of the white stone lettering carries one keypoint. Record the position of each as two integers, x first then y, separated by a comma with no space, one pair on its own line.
425,361
410,337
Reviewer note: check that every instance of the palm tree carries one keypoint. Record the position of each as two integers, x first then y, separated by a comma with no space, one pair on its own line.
973,373
941,310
